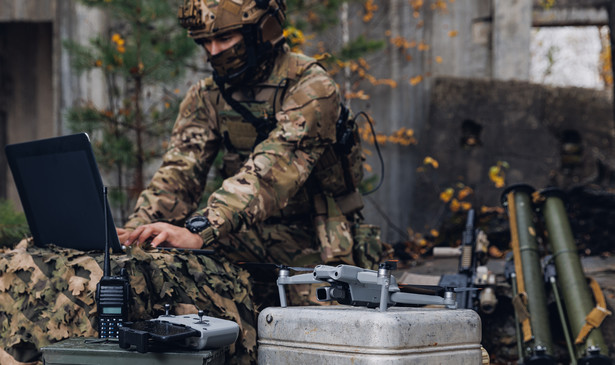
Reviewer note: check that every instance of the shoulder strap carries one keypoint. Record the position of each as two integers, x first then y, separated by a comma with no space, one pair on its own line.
262,125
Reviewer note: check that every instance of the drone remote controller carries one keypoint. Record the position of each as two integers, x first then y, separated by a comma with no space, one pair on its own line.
214,332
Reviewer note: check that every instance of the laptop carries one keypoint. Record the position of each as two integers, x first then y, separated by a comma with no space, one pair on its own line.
61,192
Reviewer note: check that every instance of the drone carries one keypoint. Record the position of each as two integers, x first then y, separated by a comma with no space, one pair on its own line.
351,285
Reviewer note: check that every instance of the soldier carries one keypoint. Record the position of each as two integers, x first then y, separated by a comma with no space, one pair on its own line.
292,159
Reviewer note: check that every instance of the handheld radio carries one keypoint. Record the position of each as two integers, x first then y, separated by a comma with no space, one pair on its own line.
112,293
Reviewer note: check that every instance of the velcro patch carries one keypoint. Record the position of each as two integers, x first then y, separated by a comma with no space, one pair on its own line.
232,6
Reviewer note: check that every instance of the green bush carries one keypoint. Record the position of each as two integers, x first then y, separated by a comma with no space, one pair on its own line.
13,225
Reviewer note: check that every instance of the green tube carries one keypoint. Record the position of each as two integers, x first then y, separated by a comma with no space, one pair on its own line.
532,272
531,267
576,294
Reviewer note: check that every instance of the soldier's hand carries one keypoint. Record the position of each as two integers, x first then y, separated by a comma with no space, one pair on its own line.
123,233
164,235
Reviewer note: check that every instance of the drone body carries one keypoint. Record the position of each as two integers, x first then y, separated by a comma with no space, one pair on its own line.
355,286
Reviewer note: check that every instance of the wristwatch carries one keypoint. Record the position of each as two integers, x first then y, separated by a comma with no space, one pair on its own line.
200,225
197,223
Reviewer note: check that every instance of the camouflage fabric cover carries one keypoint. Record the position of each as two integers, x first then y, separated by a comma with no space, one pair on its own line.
275,178
47,295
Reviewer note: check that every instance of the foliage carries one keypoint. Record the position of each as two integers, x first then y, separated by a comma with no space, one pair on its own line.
143,51
497,174
606,66
316,15
13,225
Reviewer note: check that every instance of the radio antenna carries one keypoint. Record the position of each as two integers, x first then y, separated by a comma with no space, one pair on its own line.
107,268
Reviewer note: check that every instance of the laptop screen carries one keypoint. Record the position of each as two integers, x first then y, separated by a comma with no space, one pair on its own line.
61,192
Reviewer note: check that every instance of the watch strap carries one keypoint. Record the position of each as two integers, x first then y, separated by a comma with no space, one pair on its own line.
208,235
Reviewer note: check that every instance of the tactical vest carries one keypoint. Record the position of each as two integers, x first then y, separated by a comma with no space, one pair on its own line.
336,174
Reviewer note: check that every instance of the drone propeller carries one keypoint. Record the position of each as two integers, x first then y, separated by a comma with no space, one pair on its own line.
432,289
271,266
421,289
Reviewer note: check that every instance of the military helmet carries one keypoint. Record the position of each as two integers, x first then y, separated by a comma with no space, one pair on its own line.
208,18
259,21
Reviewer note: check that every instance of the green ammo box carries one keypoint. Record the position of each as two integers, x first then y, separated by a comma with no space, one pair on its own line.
92,351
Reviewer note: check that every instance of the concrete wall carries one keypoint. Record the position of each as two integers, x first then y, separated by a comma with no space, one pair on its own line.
36,81
469,38
27,97
549,137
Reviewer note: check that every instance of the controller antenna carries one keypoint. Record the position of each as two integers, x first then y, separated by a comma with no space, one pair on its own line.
107,264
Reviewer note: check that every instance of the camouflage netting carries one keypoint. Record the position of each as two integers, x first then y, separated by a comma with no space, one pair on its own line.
47,295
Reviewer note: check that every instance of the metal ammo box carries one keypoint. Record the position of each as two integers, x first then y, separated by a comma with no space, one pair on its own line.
360,336
91,351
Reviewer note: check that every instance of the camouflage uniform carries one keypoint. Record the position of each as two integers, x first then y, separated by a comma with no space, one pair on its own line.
47,295
290,199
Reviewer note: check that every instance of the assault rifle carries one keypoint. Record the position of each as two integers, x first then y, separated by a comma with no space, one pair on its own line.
470,274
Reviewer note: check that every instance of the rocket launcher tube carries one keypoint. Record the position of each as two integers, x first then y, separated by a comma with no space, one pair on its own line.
571,279
520,211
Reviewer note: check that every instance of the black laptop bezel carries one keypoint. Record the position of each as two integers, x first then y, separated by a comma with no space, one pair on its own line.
64,144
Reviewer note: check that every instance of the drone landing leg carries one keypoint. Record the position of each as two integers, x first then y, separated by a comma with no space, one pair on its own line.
384,277
284,273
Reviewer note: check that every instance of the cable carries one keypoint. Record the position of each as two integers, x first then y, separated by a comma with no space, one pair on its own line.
369,121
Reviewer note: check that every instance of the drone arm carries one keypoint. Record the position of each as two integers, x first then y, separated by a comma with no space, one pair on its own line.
284,278
298,279
423,299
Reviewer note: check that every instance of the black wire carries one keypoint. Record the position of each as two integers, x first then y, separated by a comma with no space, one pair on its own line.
283,84
369,121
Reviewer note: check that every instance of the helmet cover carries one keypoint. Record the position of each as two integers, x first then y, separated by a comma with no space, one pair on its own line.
209,18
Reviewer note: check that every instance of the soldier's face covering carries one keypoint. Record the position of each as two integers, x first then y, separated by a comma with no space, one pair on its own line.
227,55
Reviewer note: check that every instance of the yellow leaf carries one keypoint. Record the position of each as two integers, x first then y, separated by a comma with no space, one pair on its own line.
446,195
322,56
434,233
416,80
463,193
453,33
466,206
431,161
455,205
438,59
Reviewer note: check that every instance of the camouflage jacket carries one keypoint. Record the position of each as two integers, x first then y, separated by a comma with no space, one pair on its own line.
272,175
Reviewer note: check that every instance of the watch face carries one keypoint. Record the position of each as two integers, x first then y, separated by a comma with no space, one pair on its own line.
197,224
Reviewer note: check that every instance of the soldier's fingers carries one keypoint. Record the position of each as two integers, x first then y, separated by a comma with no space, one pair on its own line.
147,232
123,234
160,238
132,237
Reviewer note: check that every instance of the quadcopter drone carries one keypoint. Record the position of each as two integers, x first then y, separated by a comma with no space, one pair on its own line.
355,286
